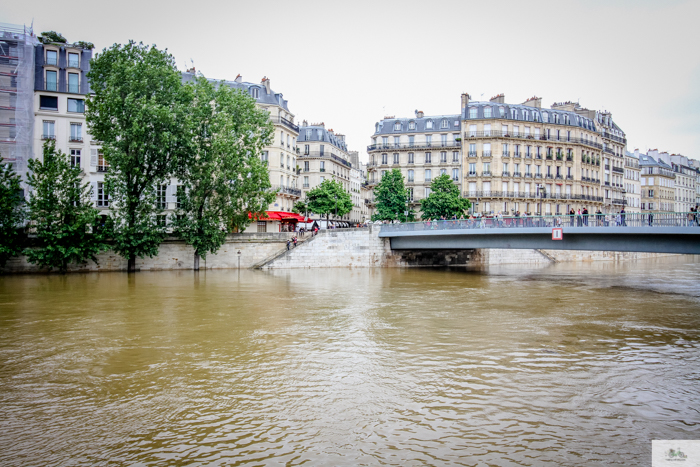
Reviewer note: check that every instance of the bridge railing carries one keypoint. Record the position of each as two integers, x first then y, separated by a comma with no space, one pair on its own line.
655,219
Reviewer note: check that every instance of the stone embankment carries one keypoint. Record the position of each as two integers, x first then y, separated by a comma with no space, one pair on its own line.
341,248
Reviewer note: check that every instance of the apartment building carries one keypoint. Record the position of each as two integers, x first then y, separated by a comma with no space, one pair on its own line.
323,156
657,184
521,157
422,147
686,178
632,189
358,177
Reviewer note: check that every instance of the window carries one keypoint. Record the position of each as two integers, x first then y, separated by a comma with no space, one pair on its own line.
52,57
427,158
455,156
505,167
410,194
48,103
443,171
74,60
472,149
265,157
102,164
487,150
429,125
323,179
487,112
161,200
443,124
255,92
428,175
487,129
397,126
427,191
472,168
428,140
396,158
411,125
545,117
321,148
322,166
76,105
385,141
443,140
75,158
396,141
49,130
455,174
410,158
472,130
306,181
51,80
443,156
487,167
76,132
102,197
472,112
385,159
306,166
73,83
410,175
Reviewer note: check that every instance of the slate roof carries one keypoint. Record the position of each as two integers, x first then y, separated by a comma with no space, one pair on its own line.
320,134
263,97
533,114
387,126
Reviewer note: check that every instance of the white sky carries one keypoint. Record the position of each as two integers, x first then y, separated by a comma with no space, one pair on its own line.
349,64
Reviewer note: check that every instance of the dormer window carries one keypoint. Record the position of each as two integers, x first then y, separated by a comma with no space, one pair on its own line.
487,112
501,111
443,124
545,117
429,125
411,125
514,114
52,57
472,112
308,135
397,126
255,92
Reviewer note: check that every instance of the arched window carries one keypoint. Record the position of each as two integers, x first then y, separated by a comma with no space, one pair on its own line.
411,125
255,92
487,112
513,114
397,126
429,125
472,112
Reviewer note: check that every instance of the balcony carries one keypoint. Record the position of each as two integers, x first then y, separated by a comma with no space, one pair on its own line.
517,154
486,173
45,137
528,175
408,146
550,176
505,154
551,137
75,139
486,154
538,175
569,177
607,166
505,174
287,190
516,174
618,170
471,174
471,153
285,122
103,168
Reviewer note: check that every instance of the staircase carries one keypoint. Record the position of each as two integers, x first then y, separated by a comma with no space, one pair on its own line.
282,253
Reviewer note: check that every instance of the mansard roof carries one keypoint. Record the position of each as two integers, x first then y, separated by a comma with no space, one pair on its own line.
272,98
397,126
526,113
317,133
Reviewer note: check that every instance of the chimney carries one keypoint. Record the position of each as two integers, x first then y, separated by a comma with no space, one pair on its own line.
239,79
419,114
465,100
305,123
266,82
534,101
499,99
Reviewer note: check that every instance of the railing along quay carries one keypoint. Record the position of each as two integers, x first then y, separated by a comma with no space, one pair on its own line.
654,219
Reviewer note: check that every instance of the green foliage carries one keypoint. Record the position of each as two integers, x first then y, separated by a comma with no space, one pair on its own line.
61,213
140,112
11,214
391,197
329,198
52,37
300,207
224,178
85,45
444,200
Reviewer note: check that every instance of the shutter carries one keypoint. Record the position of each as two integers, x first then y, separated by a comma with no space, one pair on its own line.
93,158
93,191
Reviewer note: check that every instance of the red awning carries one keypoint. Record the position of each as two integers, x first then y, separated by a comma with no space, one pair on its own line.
279,216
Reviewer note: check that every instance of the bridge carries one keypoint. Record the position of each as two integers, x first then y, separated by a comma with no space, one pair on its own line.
651,233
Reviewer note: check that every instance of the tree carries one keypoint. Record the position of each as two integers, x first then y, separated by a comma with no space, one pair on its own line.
140,113
329,198
224,179
444,200
391,197
301,207
61,213
52,37
11,214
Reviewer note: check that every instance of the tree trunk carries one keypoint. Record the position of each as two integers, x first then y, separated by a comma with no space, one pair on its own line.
196,261
131,267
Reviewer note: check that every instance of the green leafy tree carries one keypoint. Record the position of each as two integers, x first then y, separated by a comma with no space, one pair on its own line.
140,112
329,198
11,214
61,213
444,200
224,178
301,207
391,197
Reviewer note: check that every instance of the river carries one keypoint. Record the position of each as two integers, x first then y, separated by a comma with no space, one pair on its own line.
568,364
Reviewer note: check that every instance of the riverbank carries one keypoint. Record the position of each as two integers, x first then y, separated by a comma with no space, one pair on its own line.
340,248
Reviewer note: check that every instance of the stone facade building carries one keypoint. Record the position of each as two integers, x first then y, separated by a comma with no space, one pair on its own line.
657,184
632,189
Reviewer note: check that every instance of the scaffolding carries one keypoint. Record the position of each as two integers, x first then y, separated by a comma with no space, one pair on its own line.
16,95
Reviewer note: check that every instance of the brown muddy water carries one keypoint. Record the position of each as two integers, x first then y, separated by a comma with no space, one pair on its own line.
570,364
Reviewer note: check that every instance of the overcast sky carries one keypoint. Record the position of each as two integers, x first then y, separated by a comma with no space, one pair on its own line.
350,63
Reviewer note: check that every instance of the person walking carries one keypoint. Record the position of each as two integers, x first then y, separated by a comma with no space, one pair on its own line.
295,239
289,242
